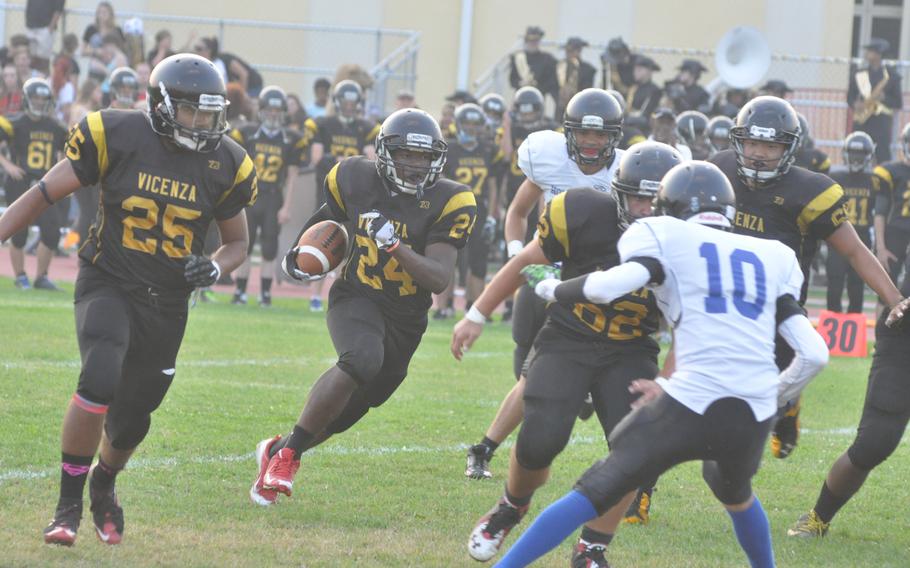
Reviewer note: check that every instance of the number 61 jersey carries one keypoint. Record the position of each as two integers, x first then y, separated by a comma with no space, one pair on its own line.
445,213
720,294
156,201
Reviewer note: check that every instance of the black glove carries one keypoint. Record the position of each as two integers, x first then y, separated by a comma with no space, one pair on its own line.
201,271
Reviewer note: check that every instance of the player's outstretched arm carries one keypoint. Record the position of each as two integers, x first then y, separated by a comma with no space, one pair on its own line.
846,242
526,197
503,285
59,182
600,287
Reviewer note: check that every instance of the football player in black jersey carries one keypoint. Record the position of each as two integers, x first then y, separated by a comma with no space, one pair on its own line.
692,128
35,139
718,133
335,137
809,156
892,211
471,161
585,348
165,176
277,152
405,227
861,186
795,206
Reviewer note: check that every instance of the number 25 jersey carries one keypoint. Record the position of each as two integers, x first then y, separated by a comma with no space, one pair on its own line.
157,201
445,213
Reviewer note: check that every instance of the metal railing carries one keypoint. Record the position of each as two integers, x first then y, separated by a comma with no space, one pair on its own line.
389,54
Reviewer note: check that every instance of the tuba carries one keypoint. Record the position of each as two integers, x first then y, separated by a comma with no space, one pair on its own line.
742,58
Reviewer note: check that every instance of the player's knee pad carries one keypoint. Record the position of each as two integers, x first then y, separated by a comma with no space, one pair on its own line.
268,245
101,370
543,436
362,363
728,491
875,443
126,429
130,417
50,235
19,239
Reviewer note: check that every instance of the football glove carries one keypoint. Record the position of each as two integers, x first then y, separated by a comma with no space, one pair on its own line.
289,266
201,271
488,235
380,229
535,273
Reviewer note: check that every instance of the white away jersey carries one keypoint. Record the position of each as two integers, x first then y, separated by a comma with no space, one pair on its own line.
544,159
720,296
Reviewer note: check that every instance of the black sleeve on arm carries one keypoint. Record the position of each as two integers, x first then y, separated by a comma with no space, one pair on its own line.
571,291
321,214
787,306
655,268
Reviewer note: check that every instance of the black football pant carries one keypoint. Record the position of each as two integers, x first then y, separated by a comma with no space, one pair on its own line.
840,272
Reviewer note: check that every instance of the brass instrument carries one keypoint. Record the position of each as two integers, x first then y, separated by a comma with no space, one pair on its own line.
872,103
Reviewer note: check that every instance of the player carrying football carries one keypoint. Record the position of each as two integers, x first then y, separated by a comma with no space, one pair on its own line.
406,226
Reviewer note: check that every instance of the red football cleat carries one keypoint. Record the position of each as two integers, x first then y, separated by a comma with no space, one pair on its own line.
280,474
258,492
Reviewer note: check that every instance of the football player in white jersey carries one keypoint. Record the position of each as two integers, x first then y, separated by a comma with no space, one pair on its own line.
725,295
585,155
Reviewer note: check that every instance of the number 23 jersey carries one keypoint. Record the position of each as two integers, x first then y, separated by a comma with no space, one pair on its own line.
445,213
156,201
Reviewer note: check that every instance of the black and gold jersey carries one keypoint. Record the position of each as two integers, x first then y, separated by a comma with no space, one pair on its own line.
157,201
894,200
860,191
445,213
473,167
271,154
800,209
580,229
518,134
813,160
340,140
34,144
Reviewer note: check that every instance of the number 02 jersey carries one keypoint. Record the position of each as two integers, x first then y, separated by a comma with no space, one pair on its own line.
580,229
720,295
445,213
156,201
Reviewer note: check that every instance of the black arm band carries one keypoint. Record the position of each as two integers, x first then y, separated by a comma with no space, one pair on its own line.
787,306
42,187
571,291
655,268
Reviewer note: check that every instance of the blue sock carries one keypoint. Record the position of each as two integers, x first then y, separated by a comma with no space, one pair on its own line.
554,524
754,534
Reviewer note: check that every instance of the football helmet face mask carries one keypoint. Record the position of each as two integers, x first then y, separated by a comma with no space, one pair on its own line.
598,111
640,170
469,124
186,102
718,133
859,150
348,100
697,191
410,152
273,107
39,98
692,128
494,107
527,107
125,86
770,120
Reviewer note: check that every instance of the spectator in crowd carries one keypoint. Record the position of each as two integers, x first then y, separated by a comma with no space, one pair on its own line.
296,116
460,97
644,96
573,73
134,41
143,70
241,108
65,77
41,19
11,92
319,106
731,102
105,24
17,43
618,65
112,57
684,92
23,63
232,68
874,95
447,118
162,49
534,67
89,100
776,88
405,99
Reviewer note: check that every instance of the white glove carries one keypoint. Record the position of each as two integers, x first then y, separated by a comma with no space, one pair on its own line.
289,266
380,229
546,289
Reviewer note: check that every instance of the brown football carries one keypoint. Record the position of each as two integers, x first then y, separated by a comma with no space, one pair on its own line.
322,247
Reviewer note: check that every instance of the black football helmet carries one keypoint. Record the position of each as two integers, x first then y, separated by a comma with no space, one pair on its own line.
692,128
766,119
719,133
125,86
189,83
348,100
697,191
494,107
805,135
905,142
469,124
415,130
619,98
859,149
640,170
273,107
593,109
527,107
39,98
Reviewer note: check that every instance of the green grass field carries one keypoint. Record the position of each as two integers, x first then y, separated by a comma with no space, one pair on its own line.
391,491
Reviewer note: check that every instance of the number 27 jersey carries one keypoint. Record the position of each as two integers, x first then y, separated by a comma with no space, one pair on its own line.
720,295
